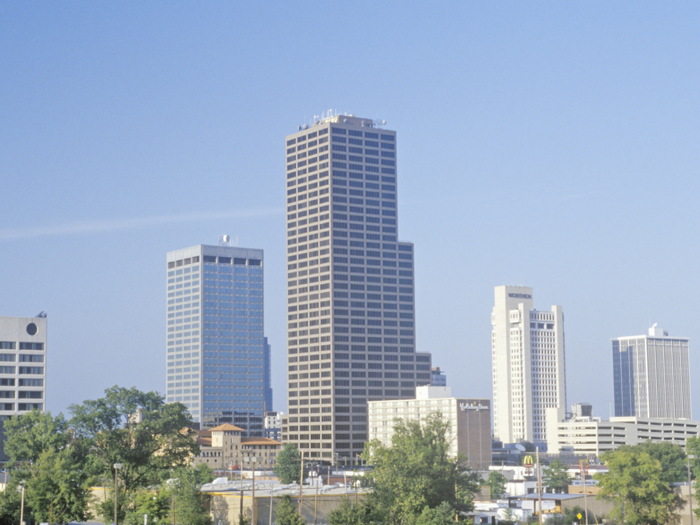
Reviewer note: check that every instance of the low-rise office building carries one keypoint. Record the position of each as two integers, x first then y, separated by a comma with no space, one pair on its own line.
590,436
223,448
469,419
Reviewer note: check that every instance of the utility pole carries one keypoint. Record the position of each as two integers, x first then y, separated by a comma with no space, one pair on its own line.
301,485
172,496
271,491
690,490
240,516
583,468
318,466
253,463
539,486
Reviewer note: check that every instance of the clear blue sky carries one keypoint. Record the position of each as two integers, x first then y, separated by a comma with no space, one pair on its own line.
549,144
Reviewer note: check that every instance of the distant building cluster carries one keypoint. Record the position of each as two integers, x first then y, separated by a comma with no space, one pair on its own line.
351,357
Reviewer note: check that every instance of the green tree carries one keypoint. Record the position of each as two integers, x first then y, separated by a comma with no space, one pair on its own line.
57,489
287,513
56,485
638,486
288,464
190,503
556,477
10,500
155,505
443,514
416,471
671,456
497,483
137,430
33,433
349,513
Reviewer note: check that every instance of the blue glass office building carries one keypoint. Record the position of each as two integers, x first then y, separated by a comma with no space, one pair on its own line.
215,346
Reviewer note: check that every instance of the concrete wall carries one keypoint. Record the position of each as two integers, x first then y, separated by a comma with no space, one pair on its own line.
226,508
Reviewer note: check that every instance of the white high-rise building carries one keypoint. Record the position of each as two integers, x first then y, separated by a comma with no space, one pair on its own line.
215,345
528,365
652,376
23,370
350,285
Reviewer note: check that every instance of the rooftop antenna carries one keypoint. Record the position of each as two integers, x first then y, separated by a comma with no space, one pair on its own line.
224,240
236,245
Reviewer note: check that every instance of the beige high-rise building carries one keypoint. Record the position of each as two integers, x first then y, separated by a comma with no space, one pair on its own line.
350,284
528,365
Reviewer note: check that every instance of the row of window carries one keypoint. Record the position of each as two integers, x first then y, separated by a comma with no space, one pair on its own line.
310,136
184,262
358,142
11,345
10,381
22,406
23,358
22,394
356,150
30,370
358,133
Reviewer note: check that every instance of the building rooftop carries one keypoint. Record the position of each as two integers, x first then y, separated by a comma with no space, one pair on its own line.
259,441
266,488
226,427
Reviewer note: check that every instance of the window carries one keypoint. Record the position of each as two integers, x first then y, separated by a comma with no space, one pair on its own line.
7,357
29,406
32,370
30,394
31,346
25,382
30,358
7,345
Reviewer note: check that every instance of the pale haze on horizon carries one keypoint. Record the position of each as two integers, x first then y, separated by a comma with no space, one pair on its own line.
554,146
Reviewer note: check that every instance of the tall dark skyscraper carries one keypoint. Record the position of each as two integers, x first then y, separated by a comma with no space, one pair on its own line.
350,286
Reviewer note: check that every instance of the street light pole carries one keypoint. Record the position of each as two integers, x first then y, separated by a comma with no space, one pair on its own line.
21,511
117,466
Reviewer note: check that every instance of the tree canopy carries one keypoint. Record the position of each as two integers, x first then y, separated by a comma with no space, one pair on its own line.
288,466
58,460
556,477
497,483
638,483
416,472
56,485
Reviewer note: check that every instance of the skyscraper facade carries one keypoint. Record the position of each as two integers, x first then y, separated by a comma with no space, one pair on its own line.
528,365
215,347
350,285
652,376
